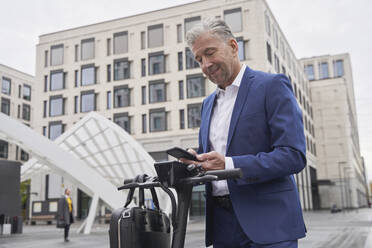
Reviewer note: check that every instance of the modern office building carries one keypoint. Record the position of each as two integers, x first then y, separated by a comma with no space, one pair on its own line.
138,72
15,96
341,170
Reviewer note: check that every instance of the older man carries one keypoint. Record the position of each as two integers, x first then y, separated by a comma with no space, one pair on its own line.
252,122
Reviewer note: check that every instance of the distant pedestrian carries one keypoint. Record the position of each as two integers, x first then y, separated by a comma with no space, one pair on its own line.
64,214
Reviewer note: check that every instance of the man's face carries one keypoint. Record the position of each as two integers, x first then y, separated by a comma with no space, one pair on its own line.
68,192
217,58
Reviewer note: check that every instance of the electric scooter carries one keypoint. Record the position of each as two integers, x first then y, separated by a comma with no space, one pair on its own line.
182,178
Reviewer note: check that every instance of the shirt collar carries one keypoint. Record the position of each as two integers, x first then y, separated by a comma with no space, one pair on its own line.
236,82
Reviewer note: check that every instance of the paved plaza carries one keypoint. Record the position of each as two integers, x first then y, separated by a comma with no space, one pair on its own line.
325,230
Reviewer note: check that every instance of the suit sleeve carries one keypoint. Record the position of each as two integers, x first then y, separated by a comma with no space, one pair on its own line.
288,147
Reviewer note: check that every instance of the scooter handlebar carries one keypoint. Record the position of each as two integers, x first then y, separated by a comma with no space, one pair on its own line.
226,174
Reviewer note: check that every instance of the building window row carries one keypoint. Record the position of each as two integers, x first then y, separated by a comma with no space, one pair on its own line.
158,119
323,70
155,38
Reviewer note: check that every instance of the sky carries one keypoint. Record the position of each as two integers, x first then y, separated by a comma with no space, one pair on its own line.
312,27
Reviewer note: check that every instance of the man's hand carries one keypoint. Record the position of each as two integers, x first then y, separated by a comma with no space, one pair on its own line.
209,161
187,161
212,161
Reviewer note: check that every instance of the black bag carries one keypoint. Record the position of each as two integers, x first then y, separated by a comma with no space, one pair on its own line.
139,227
61,223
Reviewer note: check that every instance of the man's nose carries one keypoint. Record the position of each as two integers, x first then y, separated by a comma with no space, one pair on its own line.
206,64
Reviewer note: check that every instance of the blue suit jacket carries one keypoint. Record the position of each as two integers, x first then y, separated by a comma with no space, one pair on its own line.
266,140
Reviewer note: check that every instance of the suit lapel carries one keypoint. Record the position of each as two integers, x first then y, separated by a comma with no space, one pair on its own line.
239,103
208,114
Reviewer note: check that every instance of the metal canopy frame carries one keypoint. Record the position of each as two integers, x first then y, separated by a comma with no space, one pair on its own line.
95,154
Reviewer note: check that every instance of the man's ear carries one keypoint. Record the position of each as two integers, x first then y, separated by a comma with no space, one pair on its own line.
234,45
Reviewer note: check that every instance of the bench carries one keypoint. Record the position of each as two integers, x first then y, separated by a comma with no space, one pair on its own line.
47,218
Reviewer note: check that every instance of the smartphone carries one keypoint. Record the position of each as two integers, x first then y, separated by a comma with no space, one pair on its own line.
181,153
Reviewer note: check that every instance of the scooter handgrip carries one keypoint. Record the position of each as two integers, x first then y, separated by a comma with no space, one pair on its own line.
226,174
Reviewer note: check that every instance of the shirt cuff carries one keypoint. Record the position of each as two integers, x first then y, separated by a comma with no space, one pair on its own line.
229,163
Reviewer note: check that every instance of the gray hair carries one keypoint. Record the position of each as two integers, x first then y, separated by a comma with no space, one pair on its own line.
214,26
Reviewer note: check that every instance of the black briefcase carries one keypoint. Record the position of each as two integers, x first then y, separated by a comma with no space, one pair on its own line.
139,227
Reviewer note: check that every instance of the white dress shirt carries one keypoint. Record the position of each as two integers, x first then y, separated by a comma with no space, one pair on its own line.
220,124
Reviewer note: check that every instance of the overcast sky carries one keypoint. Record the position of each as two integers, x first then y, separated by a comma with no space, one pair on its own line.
312,27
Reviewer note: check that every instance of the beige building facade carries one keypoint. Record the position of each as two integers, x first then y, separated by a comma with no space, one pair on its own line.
16,98
138,72
341,170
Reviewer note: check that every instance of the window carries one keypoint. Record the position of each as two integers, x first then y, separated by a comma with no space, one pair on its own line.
241,48
277,63
121,42
88,101
179,33
267,23
180,89
123,121
56,105
144,123
26,112
193,115
121,69
195,85
284,71
158,120
45,108
180,61
143,89
57,80
19,111
339,68
155,36
121,96
76,53
6,86
45,83
190,60
109,101
108,47
190,22
44,130
268,51
323,70
156,63
3,149
108,73
87,49
5,106
46,58
55,129
24,155
143,67
56,55
157,91
276,41
182,119
76,104
19,91
309,70
143,40
88,74
76,78
233,18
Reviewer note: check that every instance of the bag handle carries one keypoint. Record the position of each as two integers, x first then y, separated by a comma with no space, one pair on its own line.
142,179
131,193
141,195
